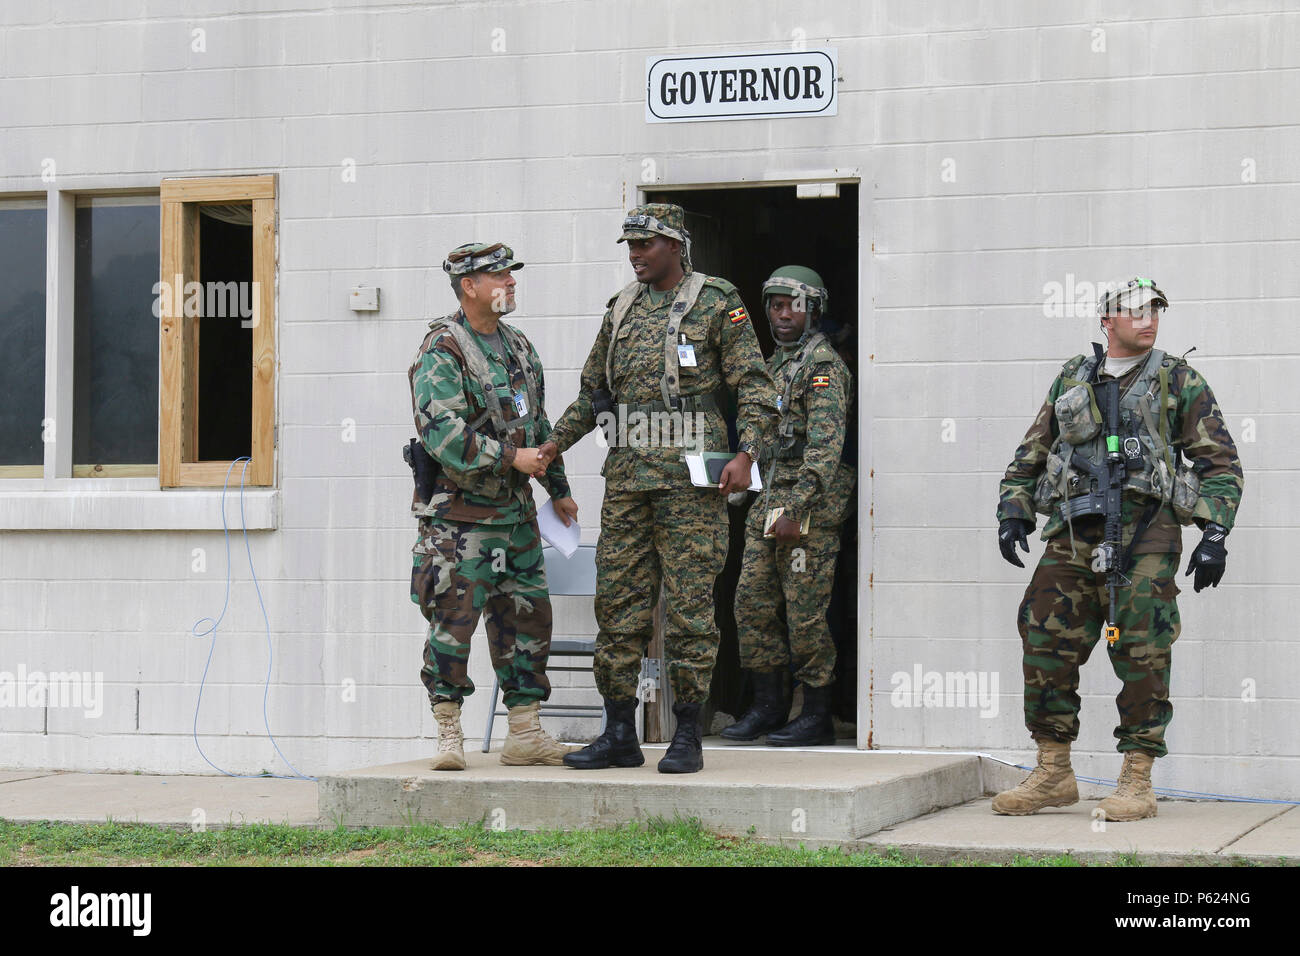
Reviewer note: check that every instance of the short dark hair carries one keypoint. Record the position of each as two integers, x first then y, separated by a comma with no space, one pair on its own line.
456,286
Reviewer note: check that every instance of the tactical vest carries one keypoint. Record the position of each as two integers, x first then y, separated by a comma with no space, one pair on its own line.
829,510
1145,414
476,366
670,382
787,446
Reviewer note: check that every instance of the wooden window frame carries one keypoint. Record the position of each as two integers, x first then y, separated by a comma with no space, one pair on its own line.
178,410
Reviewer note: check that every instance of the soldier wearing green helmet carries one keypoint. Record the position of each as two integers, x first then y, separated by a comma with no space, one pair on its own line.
1135,427
792,535
478,393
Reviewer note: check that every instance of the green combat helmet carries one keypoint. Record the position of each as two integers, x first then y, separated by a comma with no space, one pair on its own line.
662,219
480,257
1132,295
800,282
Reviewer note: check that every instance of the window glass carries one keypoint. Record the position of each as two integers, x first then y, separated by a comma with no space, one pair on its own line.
22,332
115,339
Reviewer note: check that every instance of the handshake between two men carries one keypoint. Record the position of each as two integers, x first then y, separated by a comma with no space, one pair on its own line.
534,461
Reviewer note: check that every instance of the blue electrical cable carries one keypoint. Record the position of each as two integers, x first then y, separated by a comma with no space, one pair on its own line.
266,689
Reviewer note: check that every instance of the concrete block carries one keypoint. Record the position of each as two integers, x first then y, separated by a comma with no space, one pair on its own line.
234,145
186,95
332,36
1208,44
328,243
982,58
418,32
1099,50
852,793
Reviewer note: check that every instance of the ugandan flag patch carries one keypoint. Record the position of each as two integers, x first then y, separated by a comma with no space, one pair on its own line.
738,315
821,381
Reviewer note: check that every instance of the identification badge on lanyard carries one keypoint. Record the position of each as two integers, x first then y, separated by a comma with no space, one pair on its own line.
521,404
686,355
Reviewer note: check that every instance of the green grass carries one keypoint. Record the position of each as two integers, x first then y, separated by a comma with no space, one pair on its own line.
656,843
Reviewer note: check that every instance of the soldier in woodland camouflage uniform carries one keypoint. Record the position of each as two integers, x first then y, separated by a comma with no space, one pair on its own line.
1166,411
786,579
668,345
478,397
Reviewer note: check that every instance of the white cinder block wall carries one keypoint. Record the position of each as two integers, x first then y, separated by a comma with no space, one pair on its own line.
1001,147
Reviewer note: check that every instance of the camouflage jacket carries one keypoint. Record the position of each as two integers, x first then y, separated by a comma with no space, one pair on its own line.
476,482
821,394
727,356
1200,435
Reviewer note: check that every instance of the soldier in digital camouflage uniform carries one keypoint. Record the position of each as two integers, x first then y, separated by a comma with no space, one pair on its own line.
681,338
1066,603
478,393
786,579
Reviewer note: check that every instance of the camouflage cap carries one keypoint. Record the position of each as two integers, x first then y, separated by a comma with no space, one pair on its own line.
1133,294
480,257
662,219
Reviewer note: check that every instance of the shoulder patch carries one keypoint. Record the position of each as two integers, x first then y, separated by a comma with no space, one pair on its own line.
1072,366
824,353
722,285
738,315
821,381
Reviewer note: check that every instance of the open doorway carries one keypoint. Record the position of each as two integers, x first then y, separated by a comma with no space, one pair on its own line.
742,233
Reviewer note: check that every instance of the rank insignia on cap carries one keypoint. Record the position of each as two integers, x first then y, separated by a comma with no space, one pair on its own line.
738,315
821,381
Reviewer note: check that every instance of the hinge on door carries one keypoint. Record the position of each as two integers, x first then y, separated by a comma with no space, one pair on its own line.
648,685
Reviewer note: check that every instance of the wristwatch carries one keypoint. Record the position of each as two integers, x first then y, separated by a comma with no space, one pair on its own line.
749,449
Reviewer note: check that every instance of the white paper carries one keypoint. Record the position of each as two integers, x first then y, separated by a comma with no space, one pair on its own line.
562,539
700,475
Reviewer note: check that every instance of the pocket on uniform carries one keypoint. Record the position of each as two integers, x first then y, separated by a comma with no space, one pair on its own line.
1045,491
1187,492
1075,416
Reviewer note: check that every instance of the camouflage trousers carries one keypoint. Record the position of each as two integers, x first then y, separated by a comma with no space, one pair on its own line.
458,572
677,538
1060,622
781,603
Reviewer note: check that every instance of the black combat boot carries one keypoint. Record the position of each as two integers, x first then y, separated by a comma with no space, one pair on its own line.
768,712
617,746
685,753
813,727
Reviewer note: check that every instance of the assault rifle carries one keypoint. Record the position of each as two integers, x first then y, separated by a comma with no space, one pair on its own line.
1109,475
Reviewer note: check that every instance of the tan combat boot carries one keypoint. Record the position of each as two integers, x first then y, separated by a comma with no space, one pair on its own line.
1051,784
527,745
1133,798
451,742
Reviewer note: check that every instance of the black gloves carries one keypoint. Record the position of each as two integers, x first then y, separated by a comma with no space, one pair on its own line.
1210,557
1013,531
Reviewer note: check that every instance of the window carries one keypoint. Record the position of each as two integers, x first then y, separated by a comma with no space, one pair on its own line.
115,338
22,338
138,329
217,332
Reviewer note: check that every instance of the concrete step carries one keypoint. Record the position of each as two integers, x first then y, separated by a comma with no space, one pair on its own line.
827,794
1182,833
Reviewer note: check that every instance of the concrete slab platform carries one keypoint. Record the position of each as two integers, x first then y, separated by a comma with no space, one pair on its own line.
1277,837
1181,832
131,798
833,795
